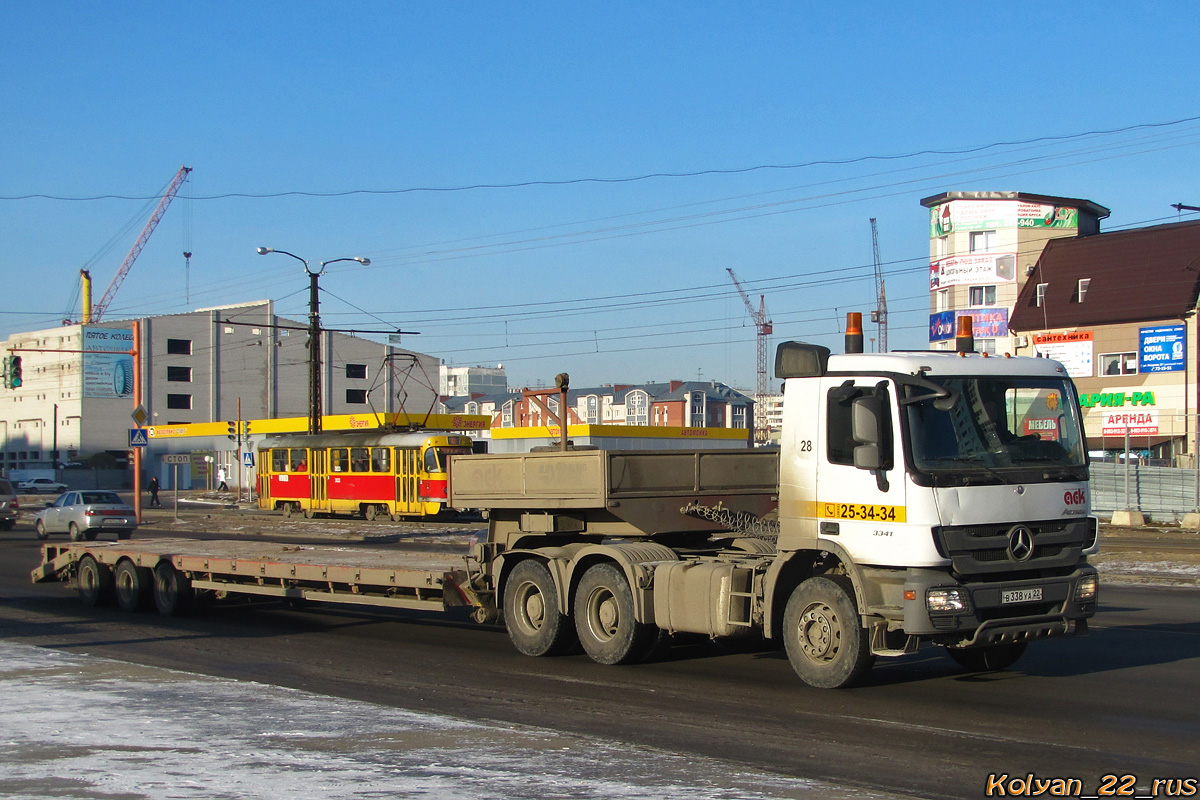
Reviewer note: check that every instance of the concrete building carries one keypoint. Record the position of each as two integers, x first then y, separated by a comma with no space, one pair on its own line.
982,248
462,381
77,395
1119,311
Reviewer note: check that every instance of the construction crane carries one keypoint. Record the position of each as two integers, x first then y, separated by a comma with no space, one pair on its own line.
763,324
94,313
879,315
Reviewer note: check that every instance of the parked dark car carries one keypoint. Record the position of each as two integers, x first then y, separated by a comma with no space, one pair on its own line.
10,509
84,514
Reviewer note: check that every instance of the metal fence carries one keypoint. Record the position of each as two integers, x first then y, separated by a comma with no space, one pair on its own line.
1163,494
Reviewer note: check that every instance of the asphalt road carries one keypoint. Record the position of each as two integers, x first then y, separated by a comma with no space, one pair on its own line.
1118,702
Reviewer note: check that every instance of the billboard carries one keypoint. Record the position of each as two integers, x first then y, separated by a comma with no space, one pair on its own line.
1074,350
109,372
984,215
986,323
1162,348
975,268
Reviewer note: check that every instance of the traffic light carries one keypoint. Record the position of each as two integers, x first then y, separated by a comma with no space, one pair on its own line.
14,371
232,430
246,429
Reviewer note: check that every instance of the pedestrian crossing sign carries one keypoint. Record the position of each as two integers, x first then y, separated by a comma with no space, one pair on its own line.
137,437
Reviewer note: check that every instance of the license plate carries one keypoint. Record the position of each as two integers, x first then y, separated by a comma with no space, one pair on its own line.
1021,595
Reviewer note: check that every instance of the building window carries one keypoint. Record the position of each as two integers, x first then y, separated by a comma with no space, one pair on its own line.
1040,296
982,296
637,408
179,374
1118,364
593,409
943,300
739,417
472,408
179,401
356,397
179,347
985,346
1082,289
356,371
982,241
506,414
698,415
943,246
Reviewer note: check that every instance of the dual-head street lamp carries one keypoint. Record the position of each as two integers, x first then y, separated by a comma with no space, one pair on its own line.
314,331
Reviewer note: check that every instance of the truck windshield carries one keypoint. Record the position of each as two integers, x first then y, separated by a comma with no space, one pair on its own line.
998,430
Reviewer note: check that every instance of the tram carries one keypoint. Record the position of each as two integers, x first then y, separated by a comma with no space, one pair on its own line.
367,473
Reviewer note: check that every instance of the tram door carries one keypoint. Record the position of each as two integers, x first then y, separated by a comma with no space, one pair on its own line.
320,478
406,480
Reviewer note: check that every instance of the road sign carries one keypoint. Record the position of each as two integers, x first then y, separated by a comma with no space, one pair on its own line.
140,416
177,458
137,438
248,458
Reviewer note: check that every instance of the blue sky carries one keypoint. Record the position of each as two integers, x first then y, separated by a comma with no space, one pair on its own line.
613,282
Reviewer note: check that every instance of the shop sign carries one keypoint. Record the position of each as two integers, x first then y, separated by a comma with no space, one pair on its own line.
1074,350
977,268
982,215
1162,348
1043,428
1139,423
986,323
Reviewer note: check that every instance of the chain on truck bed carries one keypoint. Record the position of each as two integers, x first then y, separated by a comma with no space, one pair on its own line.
740,521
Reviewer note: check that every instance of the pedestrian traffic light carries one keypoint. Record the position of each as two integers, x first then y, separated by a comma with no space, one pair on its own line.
232,430
14,371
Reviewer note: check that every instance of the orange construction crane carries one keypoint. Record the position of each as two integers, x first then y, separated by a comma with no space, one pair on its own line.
97,311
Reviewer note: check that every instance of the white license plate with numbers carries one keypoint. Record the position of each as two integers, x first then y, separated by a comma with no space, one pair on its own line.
1021,595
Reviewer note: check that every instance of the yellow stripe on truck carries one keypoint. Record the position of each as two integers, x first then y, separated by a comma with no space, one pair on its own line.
860,511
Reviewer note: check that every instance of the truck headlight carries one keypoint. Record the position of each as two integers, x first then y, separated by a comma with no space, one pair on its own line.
1085,590
947,601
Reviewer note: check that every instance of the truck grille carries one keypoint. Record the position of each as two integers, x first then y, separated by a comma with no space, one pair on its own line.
992,548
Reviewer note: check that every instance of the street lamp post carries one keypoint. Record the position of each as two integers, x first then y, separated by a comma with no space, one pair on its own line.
314,330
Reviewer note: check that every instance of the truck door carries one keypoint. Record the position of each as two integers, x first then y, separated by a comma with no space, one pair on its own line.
861,477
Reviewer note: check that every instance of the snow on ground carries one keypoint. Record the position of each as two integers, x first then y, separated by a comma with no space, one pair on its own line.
75,726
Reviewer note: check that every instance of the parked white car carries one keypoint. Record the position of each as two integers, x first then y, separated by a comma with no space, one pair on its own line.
41,486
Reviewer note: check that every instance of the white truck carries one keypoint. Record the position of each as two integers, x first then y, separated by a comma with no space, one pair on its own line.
917,497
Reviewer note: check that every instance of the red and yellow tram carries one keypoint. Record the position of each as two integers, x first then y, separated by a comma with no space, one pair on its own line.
371,473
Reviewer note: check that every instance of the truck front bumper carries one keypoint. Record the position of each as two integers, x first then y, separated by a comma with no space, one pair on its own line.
963,614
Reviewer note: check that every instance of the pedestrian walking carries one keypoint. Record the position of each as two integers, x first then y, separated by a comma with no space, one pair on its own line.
153,486
221,485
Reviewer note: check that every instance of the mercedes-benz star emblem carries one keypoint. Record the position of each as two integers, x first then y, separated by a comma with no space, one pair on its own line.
1020,543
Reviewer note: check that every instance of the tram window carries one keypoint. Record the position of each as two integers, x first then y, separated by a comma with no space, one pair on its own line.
360,459
279,462
381,459
432,462
339,460
299,459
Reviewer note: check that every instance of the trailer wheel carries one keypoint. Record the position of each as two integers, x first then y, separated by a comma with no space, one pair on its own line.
536,625
135,586
992,658
95,582
173,592
40,530
605,621
825,641
74,532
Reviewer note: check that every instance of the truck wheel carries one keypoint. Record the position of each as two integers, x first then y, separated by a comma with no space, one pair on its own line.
74,532
135,586
95,582
40,530
536,625
825,641
604,618
172,590
992,658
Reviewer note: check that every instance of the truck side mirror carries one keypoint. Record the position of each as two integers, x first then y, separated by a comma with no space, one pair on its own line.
867,421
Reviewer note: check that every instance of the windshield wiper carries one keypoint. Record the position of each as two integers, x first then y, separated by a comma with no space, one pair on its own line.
976,463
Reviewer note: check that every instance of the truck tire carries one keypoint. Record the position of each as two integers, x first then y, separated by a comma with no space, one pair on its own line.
134,585
604,618
535,623
74,532
95,582
992,658
172,590
825,640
